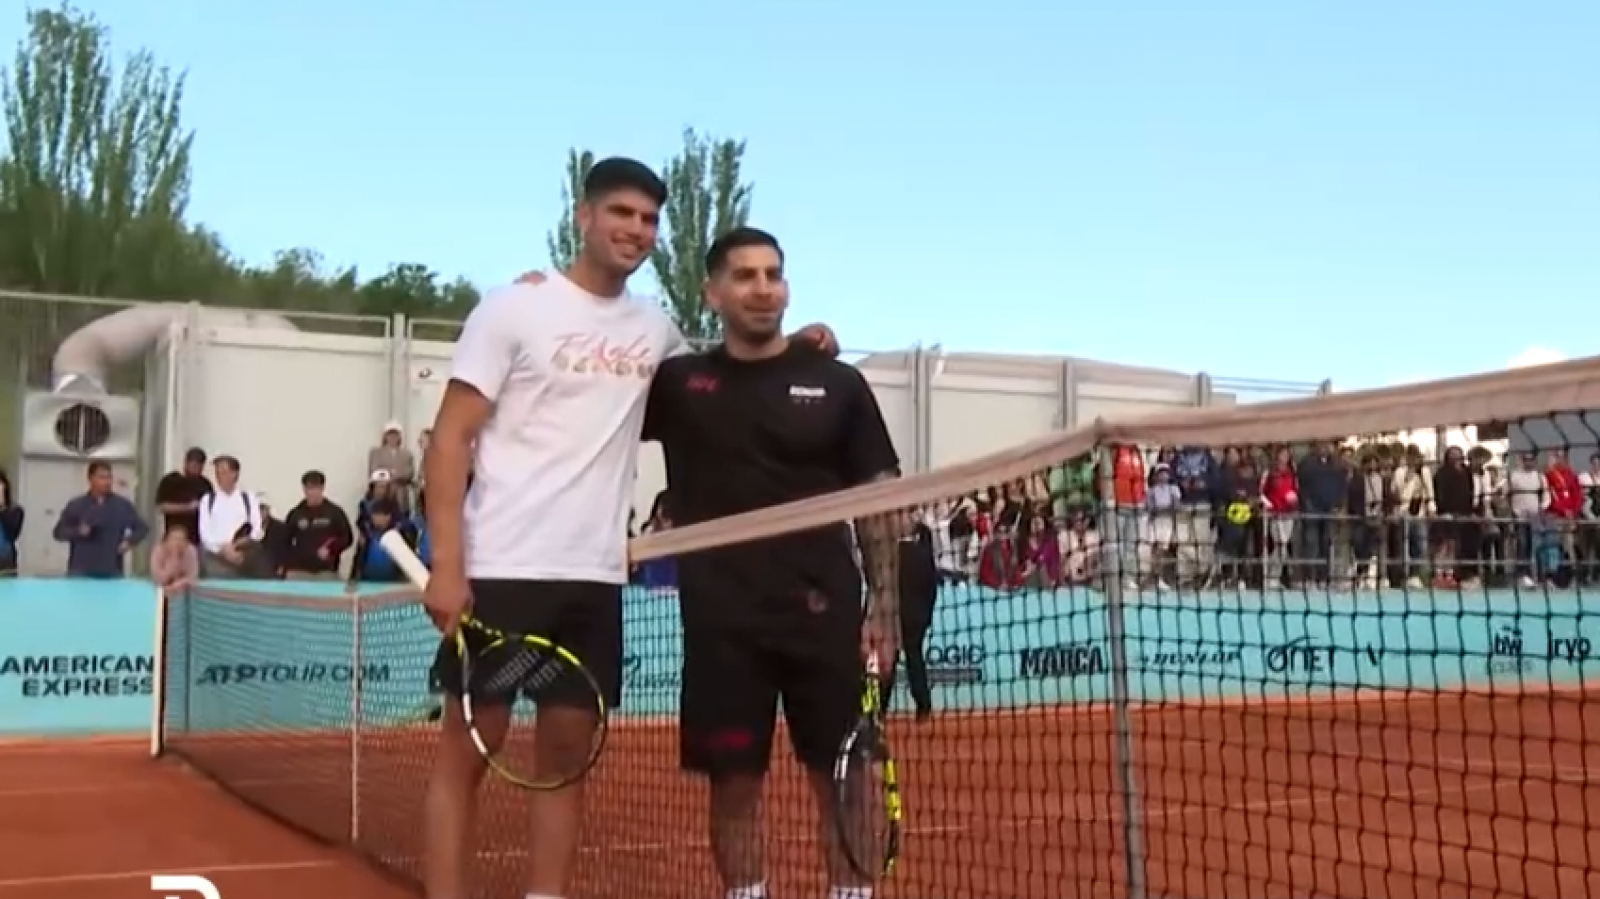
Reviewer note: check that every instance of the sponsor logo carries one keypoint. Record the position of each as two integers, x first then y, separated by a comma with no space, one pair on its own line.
1569,649
1299,656
1061,661
1505,651
635,677
246,673
1192,659
80,676
959,664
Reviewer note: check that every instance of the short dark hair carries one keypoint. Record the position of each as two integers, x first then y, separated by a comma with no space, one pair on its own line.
619,173
740,238
313,478
195,455
97,466
387,507
226,462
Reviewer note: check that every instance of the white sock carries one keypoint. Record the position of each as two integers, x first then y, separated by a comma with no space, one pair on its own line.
753,891
850,893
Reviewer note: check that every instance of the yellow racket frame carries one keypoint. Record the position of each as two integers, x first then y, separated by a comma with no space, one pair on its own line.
869,723
496,639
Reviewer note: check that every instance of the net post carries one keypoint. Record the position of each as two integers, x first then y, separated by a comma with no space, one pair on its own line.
158,702
355,716
1111,522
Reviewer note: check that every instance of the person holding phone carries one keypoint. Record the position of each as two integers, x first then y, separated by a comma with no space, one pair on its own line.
99,528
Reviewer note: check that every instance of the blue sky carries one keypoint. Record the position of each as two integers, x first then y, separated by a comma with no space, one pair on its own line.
1369,191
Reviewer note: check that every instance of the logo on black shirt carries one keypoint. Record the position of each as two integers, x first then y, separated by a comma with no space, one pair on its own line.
807,395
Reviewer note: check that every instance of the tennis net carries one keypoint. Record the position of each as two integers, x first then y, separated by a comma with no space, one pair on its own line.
1278,651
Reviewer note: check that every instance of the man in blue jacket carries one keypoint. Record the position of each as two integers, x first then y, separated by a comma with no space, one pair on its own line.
100,528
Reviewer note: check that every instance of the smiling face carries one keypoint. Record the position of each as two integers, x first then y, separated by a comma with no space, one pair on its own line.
750,293
619,229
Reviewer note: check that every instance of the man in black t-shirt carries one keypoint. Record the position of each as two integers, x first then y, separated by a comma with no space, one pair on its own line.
179,493
754,423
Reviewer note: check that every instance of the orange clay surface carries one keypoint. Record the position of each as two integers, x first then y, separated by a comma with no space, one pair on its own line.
1427,795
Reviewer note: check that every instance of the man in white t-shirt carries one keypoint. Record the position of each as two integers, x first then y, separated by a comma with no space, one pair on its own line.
544,406
231,527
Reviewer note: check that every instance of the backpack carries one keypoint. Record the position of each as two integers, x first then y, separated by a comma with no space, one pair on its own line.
244,500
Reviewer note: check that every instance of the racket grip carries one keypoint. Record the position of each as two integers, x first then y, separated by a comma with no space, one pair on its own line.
405,558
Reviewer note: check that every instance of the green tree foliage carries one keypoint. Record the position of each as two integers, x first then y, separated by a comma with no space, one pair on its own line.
95,175
565,240
707,197
94,185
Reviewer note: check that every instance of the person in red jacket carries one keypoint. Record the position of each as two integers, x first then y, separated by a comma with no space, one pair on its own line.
1280,496
1566,494
1566,501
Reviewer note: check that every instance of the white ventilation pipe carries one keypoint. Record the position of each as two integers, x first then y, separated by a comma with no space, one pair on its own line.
88,355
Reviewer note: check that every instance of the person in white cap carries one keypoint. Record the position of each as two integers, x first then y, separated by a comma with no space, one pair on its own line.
392,457
381,487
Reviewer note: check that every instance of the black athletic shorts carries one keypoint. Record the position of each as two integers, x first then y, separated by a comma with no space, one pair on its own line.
583,616
734,675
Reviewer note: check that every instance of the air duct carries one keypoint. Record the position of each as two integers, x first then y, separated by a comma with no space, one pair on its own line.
88,355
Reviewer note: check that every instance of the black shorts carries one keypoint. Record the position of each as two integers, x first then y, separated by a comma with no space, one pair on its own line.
582,616
734,676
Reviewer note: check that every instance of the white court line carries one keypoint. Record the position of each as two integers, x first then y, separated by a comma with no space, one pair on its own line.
260,867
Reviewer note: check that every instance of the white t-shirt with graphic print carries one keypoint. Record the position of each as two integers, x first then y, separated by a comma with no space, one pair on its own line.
568,374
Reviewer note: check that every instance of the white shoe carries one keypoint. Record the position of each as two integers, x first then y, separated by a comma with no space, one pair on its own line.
1528,582
1414,582
1163,585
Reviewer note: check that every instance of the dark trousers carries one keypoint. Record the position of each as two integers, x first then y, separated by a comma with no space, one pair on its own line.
913,638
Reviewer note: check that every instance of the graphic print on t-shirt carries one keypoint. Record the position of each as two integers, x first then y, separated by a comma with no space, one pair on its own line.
590,353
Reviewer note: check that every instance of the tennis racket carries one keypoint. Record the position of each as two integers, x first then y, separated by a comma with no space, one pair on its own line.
523,667
866,788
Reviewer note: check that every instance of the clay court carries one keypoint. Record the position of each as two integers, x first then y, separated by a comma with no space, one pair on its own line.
1428,795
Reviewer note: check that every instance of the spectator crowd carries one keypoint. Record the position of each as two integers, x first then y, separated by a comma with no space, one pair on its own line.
1250,517
1325,516
213,526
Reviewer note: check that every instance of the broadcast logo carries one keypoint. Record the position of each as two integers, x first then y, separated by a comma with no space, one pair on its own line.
175,886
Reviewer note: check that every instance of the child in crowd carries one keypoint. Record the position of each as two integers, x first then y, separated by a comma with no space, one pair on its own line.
372,563
174,562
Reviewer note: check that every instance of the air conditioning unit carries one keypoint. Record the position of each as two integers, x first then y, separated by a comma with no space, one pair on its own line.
80,426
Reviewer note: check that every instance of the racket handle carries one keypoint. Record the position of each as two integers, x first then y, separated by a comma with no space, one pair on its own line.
403,556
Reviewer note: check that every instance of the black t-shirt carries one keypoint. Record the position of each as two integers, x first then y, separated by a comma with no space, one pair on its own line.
177,487
745,435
